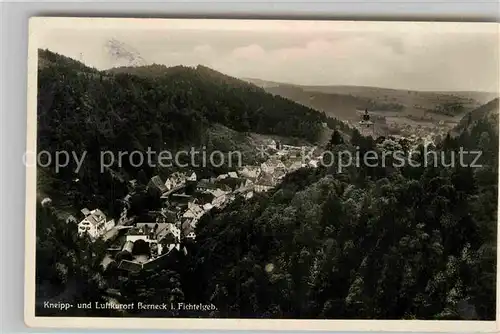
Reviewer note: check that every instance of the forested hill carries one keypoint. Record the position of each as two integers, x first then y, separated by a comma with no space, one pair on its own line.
212,96
415,242
82,109
232,102
486,111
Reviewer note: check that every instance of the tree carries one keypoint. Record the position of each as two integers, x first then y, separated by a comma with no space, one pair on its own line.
336,139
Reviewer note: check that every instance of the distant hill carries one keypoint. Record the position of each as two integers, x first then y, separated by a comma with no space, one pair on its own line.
343,101
487,112
482,97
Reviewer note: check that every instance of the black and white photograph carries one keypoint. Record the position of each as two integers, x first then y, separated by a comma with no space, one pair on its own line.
263,170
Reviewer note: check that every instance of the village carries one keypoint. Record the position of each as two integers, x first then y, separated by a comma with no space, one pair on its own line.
135,244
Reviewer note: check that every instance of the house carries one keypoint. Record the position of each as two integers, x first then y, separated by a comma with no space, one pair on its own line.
132,184
248,183
188,231
192,177
130,266
234,184
94,223
204,185
278,174
153,233
250,172
272,144
265,183
176,179
169,215
260,187
222,176
280,166
111,235
267,167
170,234
157,183
128,246
313,163
233,175
194,211
294,165
219,197
207,207
169,184
180,198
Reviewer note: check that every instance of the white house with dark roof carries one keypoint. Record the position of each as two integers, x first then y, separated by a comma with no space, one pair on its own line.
94,223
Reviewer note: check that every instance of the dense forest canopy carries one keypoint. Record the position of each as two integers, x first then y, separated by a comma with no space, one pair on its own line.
368,243
371,243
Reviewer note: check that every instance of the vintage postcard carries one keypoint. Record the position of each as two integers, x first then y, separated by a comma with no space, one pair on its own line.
262,174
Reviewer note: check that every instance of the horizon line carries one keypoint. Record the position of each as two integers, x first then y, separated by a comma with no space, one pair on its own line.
280,82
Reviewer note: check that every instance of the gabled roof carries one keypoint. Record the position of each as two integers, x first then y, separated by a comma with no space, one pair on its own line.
111,234
217,192
207,206
266,180
130,266
187,228
85,211
206,184
91,219
193,209
98,213
71,218
158,183
169,229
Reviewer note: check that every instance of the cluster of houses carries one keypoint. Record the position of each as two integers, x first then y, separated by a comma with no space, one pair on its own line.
137,243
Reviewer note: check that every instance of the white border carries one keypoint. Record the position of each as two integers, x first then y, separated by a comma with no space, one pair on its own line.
39,25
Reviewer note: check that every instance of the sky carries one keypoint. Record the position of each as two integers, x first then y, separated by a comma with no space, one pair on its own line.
429,59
